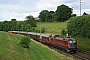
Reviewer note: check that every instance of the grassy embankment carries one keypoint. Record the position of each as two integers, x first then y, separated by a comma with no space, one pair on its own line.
10,50
55,28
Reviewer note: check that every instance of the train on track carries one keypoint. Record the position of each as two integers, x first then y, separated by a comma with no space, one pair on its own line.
67,44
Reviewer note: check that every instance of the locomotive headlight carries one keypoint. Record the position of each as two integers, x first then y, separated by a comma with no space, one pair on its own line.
74,41
70,41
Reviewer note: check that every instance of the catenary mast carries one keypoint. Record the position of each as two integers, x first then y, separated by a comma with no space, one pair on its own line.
80,6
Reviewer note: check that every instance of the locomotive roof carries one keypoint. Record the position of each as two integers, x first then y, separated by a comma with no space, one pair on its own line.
71,39
33,33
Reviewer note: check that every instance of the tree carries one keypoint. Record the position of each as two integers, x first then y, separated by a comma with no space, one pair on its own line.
13,24
5,26
79,26
51,15
63,13
27,25
21,26
85,13
30,22
44,15
73,15
13,19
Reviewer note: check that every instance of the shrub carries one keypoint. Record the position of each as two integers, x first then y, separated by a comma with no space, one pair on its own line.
79,26
38,30
63,32
25,42
42,30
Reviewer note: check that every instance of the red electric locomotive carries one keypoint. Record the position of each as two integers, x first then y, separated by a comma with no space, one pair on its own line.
66,43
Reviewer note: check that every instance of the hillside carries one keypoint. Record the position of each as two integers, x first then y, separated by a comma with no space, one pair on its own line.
52,27
10,50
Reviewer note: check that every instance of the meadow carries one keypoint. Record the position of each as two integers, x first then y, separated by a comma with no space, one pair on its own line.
52,27
11,50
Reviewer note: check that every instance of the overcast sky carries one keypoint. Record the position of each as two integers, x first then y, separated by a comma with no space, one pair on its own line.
19,9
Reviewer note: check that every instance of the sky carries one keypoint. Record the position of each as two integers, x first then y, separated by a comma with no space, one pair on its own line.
19,9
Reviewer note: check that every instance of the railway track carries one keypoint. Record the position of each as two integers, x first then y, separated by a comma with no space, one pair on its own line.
82,55
79,55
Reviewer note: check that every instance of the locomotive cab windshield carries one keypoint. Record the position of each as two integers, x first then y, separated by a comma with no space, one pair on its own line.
72,43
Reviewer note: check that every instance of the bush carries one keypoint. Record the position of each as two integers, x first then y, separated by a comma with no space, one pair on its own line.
38,30
42,30
79,26
63,32
25,42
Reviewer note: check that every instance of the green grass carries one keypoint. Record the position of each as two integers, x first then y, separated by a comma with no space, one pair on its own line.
83,43
52,27
10,49
41,52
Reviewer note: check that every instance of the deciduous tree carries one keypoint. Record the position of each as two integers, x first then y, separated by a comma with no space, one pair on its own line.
63,13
